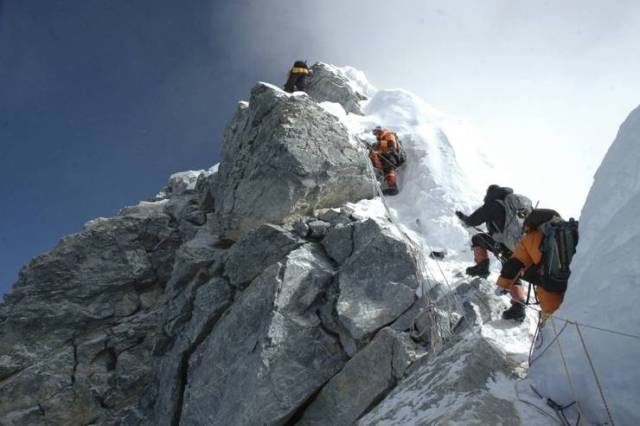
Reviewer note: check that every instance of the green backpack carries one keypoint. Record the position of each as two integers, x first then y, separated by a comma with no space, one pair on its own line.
558,247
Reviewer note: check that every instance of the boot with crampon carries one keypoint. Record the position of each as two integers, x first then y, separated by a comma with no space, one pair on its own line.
479,270
391,180
516,312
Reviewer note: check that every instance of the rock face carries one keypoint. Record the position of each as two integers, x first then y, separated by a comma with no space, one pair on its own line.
327,84
364,305
452,388
77,330
270,352
153,317
284,155
365,379
308,316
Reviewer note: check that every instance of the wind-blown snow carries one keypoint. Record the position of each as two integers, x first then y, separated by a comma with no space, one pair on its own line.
604,290
432,183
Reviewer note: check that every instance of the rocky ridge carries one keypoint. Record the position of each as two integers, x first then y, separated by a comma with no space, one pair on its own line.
251,294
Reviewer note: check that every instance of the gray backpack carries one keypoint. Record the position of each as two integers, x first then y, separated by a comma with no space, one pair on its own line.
516,208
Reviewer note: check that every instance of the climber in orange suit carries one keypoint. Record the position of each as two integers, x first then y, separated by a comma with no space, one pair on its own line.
384,155
525,263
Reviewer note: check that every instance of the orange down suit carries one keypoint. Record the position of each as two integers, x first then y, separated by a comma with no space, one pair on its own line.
524,262
381,158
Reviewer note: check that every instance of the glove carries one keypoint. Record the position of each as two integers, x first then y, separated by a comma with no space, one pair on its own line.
463,217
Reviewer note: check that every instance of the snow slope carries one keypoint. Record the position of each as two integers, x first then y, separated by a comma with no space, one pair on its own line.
604,290
441,175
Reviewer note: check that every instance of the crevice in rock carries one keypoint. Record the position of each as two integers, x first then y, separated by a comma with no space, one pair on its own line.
333,334
183,367
377,400
42,411
299,412
75,361
393,382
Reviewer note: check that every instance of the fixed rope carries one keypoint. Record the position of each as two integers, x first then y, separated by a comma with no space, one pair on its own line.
595,375
417,253
566,370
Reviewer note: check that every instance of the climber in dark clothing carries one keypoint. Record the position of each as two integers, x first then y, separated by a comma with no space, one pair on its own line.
492,213
297,77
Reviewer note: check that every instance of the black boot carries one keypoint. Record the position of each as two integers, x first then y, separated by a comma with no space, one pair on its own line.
516,312
392,190
479,270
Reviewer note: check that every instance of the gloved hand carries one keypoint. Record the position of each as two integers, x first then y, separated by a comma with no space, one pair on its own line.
463,217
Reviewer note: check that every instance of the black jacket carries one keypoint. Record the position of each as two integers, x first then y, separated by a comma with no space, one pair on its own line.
491,212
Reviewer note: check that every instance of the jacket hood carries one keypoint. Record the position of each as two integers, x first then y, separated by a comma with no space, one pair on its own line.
495,192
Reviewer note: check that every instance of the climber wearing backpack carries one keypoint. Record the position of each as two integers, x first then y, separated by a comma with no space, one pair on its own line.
387,155
297,77
503,212
542,257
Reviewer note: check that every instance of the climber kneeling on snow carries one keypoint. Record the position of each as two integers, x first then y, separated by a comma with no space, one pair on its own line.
542,257
297,77
503,212
387,155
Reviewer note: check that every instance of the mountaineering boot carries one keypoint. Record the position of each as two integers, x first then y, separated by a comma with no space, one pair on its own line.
390,179
391,190
515,312
479,270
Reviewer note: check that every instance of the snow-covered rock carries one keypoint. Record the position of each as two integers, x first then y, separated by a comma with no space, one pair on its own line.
602,291
331,84
284,155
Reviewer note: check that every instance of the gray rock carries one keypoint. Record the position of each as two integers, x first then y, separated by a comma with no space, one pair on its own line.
204,188
196,263
334,216
433,326
326,84
183,181
318,228
301,228
339,242
284,155
450,388
378,282
269,353
76,331
256,251
206,304
366,378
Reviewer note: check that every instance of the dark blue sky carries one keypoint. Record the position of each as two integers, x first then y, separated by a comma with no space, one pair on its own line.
101,100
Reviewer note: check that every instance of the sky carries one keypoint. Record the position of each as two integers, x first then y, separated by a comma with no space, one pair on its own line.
100,101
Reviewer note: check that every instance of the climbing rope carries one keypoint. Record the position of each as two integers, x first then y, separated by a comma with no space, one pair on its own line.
566,370
540,322
595,375
417,254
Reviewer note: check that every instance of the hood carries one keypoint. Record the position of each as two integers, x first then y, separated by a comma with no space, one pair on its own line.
495,192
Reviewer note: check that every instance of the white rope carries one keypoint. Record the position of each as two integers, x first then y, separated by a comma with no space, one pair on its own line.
417,254
566,370
595,375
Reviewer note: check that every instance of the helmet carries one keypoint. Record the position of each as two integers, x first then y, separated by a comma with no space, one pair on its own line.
377,130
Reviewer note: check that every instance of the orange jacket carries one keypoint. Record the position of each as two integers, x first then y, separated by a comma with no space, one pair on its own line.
386,142
527,252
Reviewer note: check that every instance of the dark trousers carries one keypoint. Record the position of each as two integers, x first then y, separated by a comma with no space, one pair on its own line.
296,82
486,242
